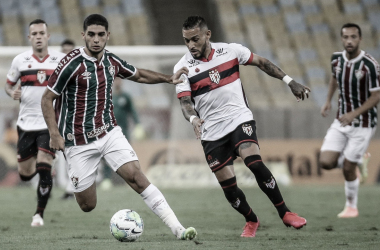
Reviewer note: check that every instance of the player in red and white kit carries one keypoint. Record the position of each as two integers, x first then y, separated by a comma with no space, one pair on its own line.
33,68
213,100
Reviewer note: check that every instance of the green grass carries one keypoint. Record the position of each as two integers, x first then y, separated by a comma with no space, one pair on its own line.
218,225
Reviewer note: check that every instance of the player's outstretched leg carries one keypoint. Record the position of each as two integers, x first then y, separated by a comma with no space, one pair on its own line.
268,185
236,198
43,192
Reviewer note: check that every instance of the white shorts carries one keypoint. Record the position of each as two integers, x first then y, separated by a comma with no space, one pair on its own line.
351,141
84,160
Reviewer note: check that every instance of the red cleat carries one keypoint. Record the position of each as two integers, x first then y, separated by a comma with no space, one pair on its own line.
293,220
250,229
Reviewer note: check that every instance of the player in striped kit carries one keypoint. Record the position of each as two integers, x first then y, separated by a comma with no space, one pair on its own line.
213,100
84,126
356,74
33,68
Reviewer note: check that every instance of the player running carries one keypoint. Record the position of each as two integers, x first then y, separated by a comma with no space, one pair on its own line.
84,126
356,74
213,100
33,68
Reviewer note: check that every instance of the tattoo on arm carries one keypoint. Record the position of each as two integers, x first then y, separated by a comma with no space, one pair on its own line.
187,107
271,69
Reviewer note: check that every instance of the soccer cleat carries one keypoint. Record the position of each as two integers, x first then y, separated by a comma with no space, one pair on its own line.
349,212
189,234
363,167
293,220
37,221
250,229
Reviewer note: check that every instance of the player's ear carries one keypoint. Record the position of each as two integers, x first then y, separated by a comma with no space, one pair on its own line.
208,34
83,35
108,35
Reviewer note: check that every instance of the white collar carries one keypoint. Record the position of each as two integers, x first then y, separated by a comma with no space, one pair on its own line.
93,59
353,60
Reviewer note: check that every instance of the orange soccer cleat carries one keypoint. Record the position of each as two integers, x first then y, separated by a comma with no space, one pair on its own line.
349,212
293,220
250,229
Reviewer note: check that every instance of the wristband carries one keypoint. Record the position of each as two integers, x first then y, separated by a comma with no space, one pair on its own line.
287,79
192,118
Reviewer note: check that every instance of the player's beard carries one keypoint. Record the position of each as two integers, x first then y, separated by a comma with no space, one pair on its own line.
353,51
202,52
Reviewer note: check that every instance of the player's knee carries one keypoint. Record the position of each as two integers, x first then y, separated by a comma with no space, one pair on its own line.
87,207
253,162
327,164
27,177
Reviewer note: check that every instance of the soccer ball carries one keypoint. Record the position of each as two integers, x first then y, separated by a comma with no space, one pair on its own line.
126,225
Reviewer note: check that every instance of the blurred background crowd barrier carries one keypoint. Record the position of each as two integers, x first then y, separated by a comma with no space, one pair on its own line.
297,35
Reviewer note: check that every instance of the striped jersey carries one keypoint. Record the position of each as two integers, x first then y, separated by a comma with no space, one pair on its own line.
33,73
215,88
356,79
84,109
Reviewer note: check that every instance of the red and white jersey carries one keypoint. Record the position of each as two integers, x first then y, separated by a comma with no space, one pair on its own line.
34,74
215,87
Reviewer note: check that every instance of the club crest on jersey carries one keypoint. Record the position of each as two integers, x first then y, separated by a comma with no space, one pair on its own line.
247,128
359,74
271,184
111,69
75,181
70,137
214,76
41,76
86,75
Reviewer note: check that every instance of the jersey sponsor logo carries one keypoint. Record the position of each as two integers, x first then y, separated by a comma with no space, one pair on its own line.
220,52
75,181
70,137
53,58
192,63
86,75
28,59
359,74
111,69
271,184
41,76
247,128
214,76
65,60
98,131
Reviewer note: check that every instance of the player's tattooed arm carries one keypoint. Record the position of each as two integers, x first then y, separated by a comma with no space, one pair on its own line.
188,111
268,67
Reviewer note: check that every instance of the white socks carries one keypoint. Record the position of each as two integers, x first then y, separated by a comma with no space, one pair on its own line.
155,200
351,189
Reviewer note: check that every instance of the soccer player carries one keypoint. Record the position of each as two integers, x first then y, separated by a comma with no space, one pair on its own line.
212,99
356,74
33,68
84,126
67,45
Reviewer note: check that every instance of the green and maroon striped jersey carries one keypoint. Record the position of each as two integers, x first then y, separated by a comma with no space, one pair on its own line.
84,109
356,79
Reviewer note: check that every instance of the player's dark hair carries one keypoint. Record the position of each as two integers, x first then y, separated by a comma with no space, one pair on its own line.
37,21
193,22
351,25
67,42
96,19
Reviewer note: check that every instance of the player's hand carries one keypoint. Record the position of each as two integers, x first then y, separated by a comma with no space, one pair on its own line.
325,109
57,142
346,119
299,90
176,78
197,123
16,94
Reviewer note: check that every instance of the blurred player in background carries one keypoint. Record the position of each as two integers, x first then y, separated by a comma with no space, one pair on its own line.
124,111
34,68
213,100
356,74
86,128
67,45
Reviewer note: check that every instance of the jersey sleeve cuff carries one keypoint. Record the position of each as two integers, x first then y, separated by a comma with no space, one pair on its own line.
182,94
52,90
11,83
134,73
249,60
374,89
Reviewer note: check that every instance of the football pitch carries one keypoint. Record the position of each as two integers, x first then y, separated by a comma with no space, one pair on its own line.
218,225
